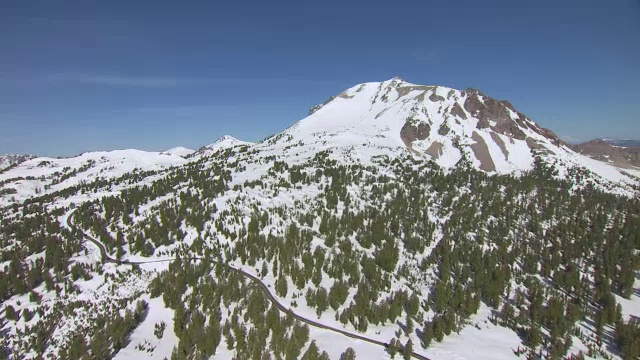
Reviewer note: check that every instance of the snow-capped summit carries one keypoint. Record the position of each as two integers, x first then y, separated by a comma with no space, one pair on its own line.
223,142
442,124
179,151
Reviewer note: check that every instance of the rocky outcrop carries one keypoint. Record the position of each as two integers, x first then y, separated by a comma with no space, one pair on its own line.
414,130
486,109
481,152
501,117
319,106
511,129
444,129
435,98
435,150
405,90
457,111
496,138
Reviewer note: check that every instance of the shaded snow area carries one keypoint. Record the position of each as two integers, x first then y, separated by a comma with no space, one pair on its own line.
143,342
479,340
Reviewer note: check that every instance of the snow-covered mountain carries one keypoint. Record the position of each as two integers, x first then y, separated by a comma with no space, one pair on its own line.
224,142
606,151
441,124
179,151
345,221
378,118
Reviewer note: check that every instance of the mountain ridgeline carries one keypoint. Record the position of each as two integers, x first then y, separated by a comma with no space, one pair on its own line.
421,220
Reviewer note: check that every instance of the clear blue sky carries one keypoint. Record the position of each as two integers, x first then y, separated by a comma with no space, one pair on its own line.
88,75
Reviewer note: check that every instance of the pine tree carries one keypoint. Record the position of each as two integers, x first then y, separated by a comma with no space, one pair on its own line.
281,286
348,354
427,334
312,352
407,351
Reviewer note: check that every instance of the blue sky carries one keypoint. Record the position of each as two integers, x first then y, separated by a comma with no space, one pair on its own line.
89,75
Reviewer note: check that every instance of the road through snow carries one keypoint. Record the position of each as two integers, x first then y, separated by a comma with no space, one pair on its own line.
108,259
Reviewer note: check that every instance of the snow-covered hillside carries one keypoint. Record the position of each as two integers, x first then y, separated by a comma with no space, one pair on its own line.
12,159
44,175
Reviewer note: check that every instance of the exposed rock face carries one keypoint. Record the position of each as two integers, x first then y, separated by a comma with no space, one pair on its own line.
319,106
481,151
534,144
603,151
486,109
414,130
435,98
443,130
435,150
457,111
511,129
501,117
405,90
548,134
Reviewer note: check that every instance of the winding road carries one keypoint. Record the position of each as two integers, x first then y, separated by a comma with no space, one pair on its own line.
106,258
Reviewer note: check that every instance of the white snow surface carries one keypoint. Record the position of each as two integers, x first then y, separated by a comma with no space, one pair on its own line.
479,340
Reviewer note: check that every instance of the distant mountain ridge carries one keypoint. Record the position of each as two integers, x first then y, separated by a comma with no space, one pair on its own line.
622,153
623,142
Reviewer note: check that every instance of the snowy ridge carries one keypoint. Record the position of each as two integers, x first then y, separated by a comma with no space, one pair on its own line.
45,175
178,151
8,160
224,142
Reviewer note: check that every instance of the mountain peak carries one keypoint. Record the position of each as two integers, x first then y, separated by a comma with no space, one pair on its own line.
227,138
436,123
225,141
178,151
